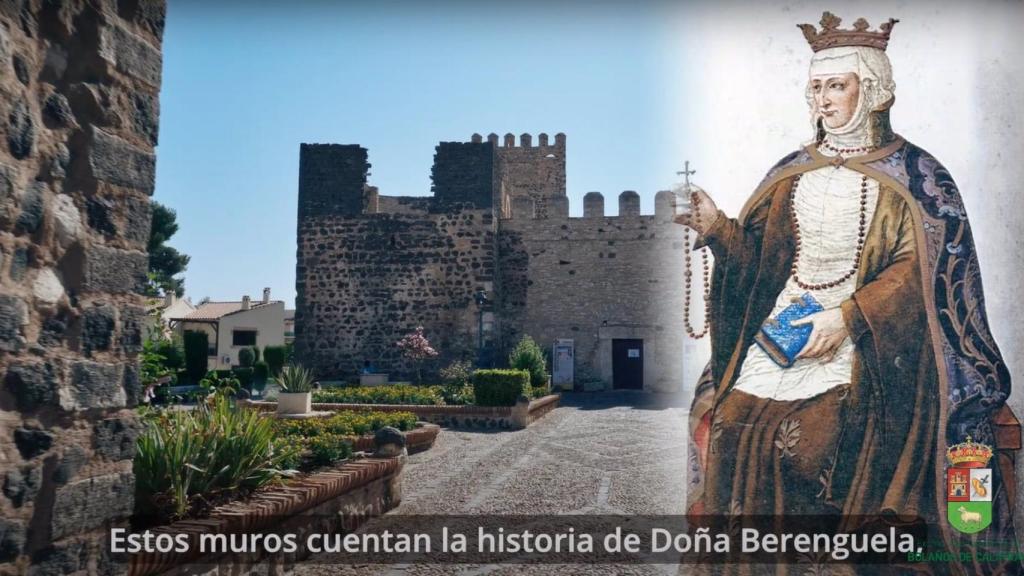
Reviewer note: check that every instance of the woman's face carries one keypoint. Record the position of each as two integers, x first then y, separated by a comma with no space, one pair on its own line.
835,97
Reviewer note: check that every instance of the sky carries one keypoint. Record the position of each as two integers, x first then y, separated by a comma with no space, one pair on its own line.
245,83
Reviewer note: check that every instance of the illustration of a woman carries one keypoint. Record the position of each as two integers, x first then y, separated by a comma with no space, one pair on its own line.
900,362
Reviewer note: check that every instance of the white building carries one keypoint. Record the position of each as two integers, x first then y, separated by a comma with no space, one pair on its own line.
231,326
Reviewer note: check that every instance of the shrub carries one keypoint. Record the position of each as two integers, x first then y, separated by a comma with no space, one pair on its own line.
173,353
325,441
244,377
539,391
499,387
255,354
390,394
185,456
295,379
528,356
221,382
274,356
260,373
345,423
196,349
246,357
458,395
457,373
327,449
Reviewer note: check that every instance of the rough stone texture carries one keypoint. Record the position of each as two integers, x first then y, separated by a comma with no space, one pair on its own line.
13,315
104,269
32,442
131,54
19,263
114,438
33,205
133,325
67,220
84,504
332,178
12,539
57,111
22,484
66,557
113,159
47,287
21,130
498,222
72,461
97,328
94,385
20,69
463,174
33,385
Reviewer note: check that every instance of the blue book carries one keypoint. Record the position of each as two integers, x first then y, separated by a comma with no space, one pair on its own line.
782,341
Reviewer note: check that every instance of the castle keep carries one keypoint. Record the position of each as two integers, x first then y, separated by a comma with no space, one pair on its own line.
371,268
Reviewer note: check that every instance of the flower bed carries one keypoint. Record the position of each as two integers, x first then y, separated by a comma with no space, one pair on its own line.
317,442
522,414
402,394
190,461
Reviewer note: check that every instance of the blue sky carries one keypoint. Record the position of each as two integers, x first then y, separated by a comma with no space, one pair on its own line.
245,84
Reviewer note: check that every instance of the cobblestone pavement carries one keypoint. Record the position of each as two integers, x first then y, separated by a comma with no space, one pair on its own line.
606,453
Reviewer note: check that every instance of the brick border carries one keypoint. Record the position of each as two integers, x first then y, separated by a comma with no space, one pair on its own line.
265,509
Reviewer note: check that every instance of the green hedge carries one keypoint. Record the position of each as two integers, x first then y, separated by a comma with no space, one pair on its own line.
274,356
389,394
499,387
196,355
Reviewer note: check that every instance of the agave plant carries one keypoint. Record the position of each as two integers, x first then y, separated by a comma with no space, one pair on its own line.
295,379
196,454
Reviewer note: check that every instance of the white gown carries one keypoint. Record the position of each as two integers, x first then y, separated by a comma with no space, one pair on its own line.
828,207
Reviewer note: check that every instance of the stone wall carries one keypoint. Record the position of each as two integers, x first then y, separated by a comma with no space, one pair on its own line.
528,171
593,280
371,273
365,281
79,84
463,174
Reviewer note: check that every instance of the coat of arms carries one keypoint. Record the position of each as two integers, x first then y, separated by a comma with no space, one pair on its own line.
969,487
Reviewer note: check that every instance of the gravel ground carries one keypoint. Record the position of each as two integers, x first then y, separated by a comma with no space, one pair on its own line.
607,453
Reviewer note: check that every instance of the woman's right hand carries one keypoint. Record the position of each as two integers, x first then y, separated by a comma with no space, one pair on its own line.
700,214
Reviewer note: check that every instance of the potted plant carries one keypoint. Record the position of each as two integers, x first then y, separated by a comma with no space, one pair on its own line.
296,395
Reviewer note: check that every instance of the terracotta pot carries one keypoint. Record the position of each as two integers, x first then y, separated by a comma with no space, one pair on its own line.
294,402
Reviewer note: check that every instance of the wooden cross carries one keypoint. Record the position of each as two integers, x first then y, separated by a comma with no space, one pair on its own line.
686,173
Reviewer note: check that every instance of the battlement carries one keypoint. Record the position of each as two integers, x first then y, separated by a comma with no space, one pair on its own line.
525,208
525,140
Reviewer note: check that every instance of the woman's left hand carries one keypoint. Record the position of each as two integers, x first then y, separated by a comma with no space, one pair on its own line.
829,332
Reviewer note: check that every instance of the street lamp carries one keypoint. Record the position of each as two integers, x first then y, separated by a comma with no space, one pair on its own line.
481,300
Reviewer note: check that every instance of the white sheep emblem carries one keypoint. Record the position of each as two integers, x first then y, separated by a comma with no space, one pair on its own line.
969,517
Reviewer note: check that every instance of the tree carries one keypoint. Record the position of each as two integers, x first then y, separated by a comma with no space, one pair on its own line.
417,348
165,263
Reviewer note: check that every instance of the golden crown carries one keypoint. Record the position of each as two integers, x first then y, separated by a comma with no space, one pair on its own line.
831,36
969,454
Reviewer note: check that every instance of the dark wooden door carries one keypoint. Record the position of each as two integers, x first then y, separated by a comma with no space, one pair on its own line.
628,364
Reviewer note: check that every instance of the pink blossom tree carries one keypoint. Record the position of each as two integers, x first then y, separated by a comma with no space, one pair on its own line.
416,348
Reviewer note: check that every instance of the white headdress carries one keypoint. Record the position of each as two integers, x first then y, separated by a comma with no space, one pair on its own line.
874,72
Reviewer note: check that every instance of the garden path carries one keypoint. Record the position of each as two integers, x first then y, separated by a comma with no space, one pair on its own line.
606,453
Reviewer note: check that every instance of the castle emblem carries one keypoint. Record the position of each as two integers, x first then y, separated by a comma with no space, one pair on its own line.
969,486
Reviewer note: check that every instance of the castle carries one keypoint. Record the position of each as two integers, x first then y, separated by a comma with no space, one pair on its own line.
371,268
